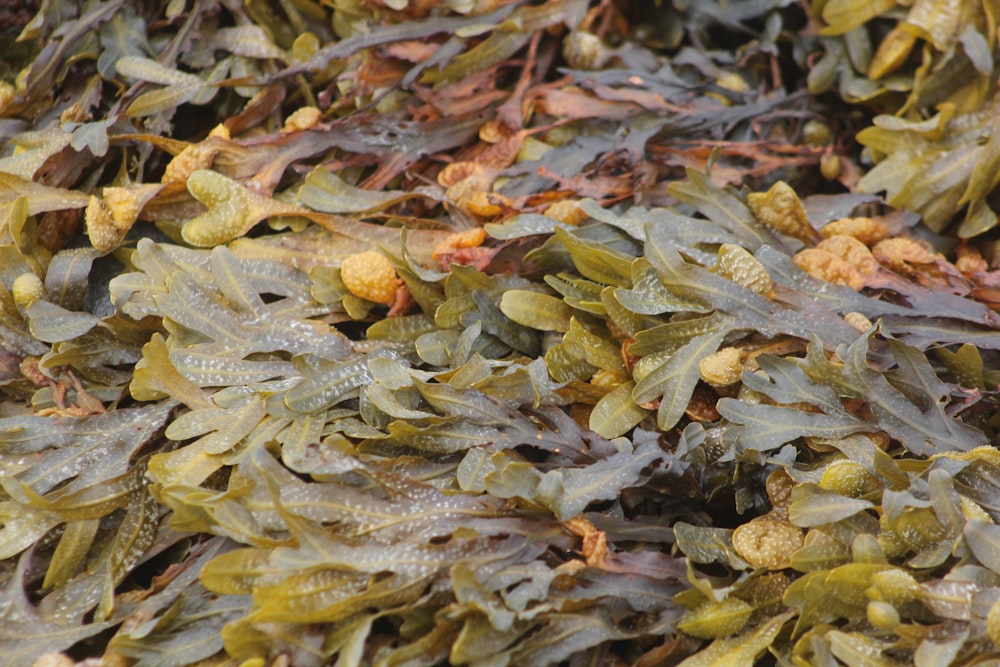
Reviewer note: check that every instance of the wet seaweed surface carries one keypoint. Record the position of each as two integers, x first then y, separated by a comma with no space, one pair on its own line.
486,332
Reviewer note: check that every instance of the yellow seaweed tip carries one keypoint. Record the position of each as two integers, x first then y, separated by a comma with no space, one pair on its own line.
26,290
108,221
567,211
370,275
993,624
470,238
858,321
228,216
882,615
195,157
895,586
585,50
847,478
767,542
101,229
722,368
740,266
866,230
817,133
486,204
781,209
892,52
304,118
825,265
714,620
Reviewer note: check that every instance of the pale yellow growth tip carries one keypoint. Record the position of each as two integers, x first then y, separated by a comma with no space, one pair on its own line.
370,275
229,210
27,289
767,542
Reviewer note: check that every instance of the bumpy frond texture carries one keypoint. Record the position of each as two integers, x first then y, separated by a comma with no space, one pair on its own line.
498,333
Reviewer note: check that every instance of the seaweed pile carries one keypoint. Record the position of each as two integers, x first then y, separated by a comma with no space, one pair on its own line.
499,333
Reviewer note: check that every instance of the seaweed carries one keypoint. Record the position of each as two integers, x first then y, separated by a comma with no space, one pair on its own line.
393,333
